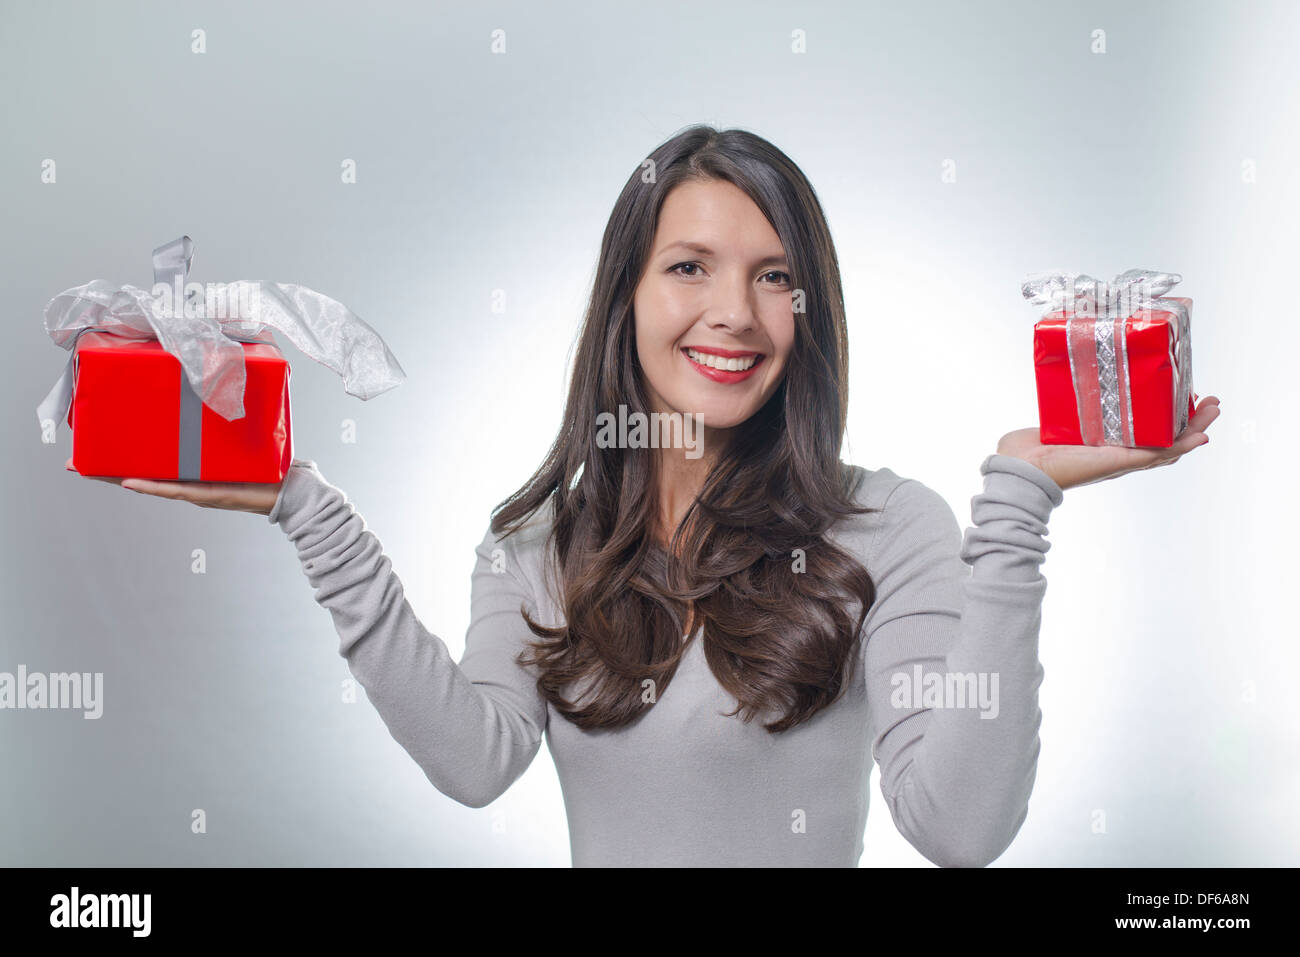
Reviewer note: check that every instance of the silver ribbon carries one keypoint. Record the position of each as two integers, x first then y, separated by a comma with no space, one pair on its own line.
1097,339
208,346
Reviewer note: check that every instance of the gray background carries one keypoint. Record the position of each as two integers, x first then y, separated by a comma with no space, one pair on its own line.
1168,645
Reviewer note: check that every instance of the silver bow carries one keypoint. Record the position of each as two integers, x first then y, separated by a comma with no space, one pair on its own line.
208,345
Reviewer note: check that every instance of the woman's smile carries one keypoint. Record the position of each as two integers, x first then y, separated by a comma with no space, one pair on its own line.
723,365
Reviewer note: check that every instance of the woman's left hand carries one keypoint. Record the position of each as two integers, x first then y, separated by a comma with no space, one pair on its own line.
1071,465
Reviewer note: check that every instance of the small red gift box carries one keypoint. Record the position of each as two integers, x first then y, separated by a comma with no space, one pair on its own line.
1109,374
184,382
134,414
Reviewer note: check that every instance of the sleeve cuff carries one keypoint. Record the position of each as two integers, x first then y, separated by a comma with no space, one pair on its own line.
1008,540
291,490
1052,494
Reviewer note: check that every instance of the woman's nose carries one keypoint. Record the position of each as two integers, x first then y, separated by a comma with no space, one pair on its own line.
732,308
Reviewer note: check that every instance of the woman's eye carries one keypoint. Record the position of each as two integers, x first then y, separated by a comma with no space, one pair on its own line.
782,277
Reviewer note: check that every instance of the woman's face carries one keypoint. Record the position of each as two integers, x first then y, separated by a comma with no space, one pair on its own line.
714,293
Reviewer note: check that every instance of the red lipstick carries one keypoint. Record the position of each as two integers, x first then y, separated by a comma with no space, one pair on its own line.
725,377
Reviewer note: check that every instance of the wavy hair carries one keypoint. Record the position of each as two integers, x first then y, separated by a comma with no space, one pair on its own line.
779,637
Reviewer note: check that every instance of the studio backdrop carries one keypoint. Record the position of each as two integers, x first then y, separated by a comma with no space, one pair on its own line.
446,171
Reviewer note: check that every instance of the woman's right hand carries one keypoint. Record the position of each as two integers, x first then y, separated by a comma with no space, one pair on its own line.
237,496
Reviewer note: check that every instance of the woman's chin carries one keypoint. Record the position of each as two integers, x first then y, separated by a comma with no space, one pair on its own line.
716,415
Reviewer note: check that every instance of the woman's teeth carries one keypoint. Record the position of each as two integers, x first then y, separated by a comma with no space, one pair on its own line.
718,362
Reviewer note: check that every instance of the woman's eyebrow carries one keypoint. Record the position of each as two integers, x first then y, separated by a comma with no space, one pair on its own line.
703,250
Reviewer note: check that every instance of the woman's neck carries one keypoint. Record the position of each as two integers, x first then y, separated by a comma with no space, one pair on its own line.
681,479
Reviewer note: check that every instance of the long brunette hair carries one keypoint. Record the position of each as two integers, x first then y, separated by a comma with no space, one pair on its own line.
772,592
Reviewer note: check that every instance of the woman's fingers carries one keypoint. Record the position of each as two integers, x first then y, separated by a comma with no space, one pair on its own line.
202,494
1194,434
187,491
102,478
1205,413
162,489
237,496
1192,437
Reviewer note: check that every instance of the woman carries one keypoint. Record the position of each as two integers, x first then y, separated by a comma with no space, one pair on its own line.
713,634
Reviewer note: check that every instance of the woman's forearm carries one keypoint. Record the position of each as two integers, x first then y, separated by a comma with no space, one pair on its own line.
474,729
954,671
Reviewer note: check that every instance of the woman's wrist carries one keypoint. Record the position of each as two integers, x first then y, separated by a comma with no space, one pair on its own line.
1028,469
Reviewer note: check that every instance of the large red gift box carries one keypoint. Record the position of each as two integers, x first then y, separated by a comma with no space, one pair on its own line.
1146,349
127,415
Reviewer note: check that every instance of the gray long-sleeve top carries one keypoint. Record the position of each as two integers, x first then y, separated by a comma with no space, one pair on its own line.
685,784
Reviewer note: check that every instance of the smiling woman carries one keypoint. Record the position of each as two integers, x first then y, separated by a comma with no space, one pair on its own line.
807,589
714,291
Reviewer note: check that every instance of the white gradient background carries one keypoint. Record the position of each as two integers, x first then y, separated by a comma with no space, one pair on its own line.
1169,635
